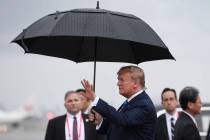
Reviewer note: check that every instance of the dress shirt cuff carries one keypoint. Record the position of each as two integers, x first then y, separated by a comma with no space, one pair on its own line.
99,125
95,101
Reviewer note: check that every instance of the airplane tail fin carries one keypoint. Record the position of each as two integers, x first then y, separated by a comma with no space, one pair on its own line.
30,107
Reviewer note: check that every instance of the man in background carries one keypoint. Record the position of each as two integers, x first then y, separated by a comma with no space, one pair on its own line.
86,109
73,125
186,125
208,134
85,102
166,121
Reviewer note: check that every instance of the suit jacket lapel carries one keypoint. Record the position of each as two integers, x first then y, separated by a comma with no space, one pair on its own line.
189,119
165,126
124,106
119,108
62,128
86,125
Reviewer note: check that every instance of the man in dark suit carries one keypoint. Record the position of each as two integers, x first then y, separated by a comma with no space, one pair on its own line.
208,134
73,125
186,126
85,102
136,118
165,122
86,109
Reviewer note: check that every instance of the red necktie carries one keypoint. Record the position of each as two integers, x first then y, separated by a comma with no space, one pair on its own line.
75,134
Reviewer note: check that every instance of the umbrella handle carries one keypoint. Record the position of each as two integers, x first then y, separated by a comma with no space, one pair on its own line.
94,76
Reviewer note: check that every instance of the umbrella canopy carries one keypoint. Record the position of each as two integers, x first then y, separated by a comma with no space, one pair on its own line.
83,35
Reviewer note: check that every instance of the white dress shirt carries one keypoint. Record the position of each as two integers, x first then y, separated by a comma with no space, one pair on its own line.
87,111
69,126
168,120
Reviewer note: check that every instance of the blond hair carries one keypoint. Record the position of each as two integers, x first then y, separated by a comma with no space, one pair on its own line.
137,74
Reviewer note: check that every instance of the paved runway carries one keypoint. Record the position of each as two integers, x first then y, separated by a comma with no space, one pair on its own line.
22,135
29,130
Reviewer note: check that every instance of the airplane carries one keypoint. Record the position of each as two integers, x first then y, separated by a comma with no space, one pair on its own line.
27,111
16,116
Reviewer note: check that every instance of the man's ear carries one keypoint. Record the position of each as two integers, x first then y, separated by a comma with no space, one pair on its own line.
190,105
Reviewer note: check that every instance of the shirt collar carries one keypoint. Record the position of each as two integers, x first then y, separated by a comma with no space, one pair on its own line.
190,117
134,95
87,111
169,116
72,116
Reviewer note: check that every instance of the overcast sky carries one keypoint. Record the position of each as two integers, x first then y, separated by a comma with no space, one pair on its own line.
183,25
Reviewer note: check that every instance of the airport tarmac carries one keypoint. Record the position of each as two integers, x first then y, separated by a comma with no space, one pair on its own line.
22,135
28,130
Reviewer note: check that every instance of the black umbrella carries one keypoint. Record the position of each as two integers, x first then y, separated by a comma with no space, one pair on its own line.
83,35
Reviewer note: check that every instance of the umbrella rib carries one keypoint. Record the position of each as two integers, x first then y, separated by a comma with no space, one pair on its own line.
23,43
113,31
56,23
82,41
